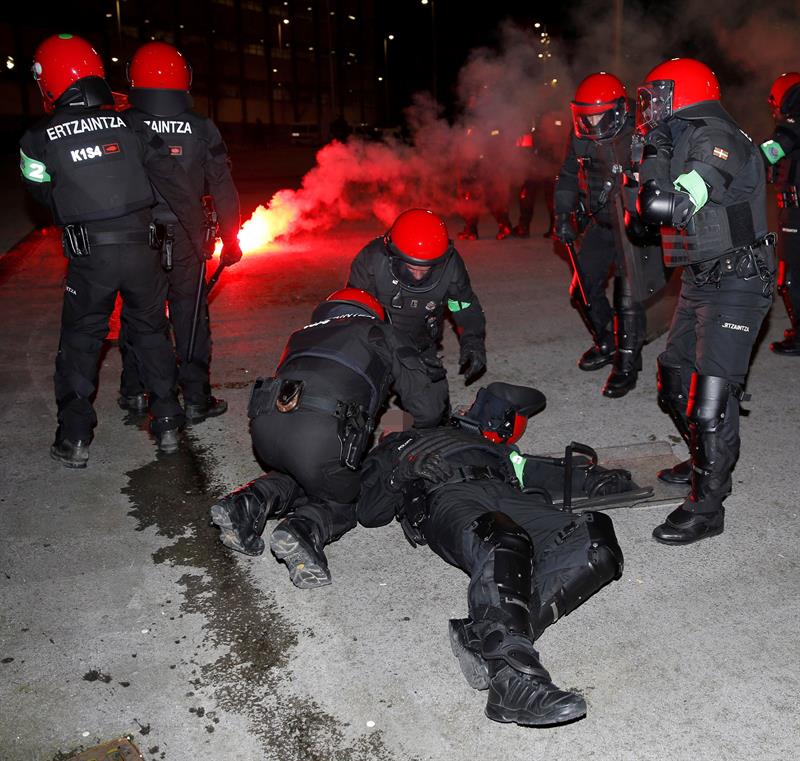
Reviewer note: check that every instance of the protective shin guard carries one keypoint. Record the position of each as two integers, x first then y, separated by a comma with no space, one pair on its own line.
673,398
790,345
582,562
629,333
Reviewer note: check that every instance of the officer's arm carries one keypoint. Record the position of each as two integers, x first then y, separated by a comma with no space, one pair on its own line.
785,139
361,271
424,400
377,504
33,170
169,178
220,185
565,198
465,307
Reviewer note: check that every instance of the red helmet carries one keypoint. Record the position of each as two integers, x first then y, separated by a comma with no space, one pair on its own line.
354,297
60,61
671,86
780,87
159,66
600,107
419,237
500,411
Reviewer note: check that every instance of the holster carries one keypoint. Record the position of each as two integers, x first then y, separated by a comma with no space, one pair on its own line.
75,241
161,237
414,511
262,397
354,431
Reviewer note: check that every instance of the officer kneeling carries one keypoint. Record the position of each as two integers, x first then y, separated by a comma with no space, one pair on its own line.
311,426
489,510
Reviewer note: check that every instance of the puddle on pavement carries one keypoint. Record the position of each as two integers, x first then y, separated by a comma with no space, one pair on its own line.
173,494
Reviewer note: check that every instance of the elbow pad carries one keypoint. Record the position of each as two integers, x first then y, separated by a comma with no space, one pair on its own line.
671,208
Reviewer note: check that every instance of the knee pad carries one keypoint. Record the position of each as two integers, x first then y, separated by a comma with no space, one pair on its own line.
708,400
670,385
581,564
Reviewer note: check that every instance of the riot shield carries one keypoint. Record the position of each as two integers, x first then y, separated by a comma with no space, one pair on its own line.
653,285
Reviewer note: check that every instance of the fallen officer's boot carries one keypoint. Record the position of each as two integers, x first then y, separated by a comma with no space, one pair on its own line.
293,542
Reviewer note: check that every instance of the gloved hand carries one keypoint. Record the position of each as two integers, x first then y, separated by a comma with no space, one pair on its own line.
431,467
231,252
659,137
201,247
472,361
564,229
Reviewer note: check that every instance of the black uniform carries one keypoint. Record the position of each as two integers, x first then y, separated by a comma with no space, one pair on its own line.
196,143
487,509
719,235
417,307
589,185
93,167
313,422
782,152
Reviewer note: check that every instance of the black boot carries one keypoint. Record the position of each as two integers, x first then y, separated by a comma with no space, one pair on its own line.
470,231
136,404
242,515
599,355
714,425
71,454
166,431
790,346
294,543
629,333
503,227
212,407
677,474
466,646
522,230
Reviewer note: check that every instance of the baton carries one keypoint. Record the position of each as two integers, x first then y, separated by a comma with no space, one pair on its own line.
576,277
212,281
198,300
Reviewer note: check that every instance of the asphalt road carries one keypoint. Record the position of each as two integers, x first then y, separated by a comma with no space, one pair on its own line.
122,614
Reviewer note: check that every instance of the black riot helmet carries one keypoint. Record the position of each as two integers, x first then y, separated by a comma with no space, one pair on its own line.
500,411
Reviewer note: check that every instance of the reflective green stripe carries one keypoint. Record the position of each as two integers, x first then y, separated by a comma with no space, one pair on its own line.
773,151
457,306
518,461
695,186
32,170
64,36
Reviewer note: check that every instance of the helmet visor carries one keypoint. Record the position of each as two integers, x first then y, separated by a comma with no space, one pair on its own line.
598,122
653,104
417,277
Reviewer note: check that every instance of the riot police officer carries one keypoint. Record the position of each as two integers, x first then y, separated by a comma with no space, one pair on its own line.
702,180
587,192
312,424
160,80
782,153
93,167
487,509
415,272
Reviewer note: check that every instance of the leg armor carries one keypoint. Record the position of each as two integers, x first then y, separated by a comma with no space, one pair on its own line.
242,515
787,288
630,328
584,557
673,398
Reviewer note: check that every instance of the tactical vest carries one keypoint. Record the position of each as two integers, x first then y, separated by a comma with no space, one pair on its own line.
95,162
342,340
600,167
416,311
718,228
186,137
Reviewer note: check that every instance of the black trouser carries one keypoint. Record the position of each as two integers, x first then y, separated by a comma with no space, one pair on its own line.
193,377
527,197
712,334
789,238
305,445
555,536
598,253
91,289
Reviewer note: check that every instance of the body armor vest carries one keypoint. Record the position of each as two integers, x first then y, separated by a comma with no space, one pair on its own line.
94,159
787,180
343,340
719,227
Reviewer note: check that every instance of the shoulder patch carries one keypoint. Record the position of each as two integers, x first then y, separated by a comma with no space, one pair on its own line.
720,153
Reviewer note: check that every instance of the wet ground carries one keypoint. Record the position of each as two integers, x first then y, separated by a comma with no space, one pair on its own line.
122,614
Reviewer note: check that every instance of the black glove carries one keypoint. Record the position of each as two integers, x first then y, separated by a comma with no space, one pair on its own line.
231,252
430,467
564,229
659,137
472,361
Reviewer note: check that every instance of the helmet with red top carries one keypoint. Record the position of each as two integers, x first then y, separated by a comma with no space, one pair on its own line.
419,248
781,87
159,66
600,107
500,411
349,301
672,86
60,61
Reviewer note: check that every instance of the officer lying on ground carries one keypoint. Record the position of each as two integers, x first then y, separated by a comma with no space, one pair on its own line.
493,512
311,426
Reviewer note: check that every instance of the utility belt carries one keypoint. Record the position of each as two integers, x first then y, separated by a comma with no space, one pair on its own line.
285,395
77,241
755,260
787,198
161,237
414,511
